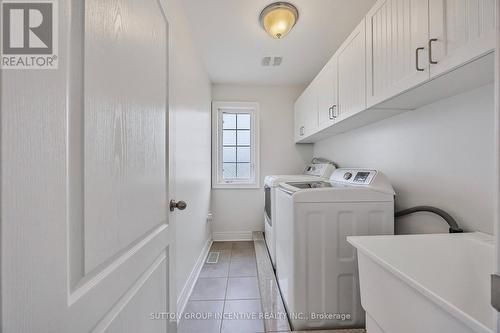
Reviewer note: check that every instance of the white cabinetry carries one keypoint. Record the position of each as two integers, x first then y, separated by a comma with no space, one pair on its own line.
299,119
352,73
311,110
460,31
328,94
306,112
339,89
412,41
403,55
397,34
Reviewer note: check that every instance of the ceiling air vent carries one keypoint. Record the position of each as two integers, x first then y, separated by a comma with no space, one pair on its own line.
272,61
266,61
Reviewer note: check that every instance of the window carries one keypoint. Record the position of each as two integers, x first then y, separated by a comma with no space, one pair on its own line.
235,152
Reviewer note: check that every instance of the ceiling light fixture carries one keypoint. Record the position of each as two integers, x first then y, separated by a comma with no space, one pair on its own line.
278,19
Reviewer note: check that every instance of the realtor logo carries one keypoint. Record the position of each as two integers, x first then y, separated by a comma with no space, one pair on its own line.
29,39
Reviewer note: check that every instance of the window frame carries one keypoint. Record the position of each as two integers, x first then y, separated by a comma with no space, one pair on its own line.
218,108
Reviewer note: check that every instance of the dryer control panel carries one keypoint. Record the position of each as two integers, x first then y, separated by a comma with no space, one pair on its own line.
353,176
319,170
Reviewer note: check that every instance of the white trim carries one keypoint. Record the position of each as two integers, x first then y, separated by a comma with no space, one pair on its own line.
252,107
496,225
497,147
227,236
191,281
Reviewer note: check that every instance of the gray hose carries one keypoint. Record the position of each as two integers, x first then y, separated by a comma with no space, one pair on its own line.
454,228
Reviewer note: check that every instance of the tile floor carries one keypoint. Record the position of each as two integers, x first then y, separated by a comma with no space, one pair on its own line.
229,287
226,297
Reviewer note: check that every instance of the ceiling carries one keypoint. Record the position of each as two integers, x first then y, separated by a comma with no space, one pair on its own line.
232,42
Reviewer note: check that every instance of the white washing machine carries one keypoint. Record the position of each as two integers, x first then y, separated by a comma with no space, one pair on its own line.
314,171
316,267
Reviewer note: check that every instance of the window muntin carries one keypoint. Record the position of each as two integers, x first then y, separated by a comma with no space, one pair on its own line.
235,145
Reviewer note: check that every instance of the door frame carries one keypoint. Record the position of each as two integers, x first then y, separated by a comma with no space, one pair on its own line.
170,174
497,156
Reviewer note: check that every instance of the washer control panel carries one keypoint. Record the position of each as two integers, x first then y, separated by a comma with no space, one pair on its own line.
319,170
353,176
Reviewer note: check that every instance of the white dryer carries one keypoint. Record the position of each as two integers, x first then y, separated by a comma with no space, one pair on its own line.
313,172
316,267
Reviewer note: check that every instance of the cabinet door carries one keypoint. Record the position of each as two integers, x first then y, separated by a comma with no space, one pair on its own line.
351,74
327,94
311,108
306,112
460,30
397,34
299,118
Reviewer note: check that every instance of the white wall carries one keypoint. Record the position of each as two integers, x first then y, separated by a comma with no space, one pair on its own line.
441,155
190,160
241,210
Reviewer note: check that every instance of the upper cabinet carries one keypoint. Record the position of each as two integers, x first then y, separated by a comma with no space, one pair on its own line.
352,74
306,112
340,86
403,55
327,94
311,111
300,119
460,31
397,34
412,41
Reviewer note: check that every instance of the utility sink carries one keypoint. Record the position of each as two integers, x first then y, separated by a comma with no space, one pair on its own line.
426,283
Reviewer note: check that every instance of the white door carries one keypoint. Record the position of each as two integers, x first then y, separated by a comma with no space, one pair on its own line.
397,37
351,73
327,94
85,219
460,31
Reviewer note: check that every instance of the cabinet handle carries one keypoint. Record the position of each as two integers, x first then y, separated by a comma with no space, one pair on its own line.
430,51
330,113
416,58
334,111
301,131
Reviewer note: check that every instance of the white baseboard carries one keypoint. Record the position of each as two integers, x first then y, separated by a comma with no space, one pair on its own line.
191,281
232,236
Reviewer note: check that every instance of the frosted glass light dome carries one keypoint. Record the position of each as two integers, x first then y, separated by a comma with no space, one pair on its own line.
278,19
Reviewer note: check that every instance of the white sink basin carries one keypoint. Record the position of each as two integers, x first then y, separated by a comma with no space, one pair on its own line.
426,283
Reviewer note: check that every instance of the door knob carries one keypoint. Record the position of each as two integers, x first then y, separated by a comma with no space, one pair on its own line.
180,205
